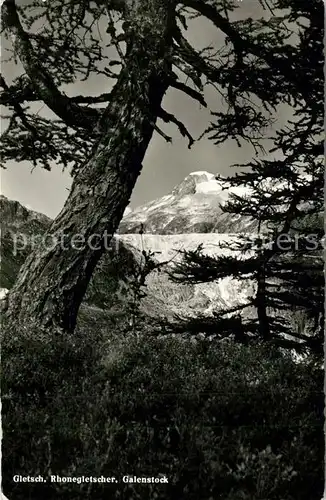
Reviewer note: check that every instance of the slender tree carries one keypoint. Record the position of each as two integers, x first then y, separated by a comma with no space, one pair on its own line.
104,138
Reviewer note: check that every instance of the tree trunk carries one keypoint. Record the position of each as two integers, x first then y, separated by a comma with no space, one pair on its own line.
53,280
263,320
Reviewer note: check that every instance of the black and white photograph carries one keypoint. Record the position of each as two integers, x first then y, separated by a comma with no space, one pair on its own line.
162,250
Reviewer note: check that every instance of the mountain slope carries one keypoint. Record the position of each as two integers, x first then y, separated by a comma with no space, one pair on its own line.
192,207
166,298
20,227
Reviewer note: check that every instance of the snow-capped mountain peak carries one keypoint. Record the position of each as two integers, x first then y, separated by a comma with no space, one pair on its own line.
193,206
204,173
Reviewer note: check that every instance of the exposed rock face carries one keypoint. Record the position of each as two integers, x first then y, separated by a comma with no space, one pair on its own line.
19,226
18,218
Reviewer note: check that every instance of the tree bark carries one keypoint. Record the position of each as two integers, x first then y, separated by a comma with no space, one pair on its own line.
54,279
263,320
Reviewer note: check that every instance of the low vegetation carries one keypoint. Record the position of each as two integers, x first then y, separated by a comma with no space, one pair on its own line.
220,420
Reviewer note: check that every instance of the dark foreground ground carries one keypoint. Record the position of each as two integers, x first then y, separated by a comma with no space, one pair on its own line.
219,421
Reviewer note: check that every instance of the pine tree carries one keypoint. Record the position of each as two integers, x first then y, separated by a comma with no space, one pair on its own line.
285,198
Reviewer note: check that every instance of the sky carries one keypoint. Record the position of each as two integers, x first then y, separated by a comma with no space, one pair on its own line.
165,165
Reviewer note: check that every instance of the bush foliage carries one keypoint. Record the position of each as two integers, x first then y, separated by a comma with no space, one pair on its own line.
220,420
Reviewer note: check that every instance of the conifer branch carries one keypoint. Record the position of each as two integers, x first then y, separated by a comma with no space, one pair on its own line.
41,80
169,117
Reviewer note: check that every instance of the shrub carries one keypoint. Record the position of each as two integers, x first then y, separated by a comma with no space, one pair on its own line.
221,421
